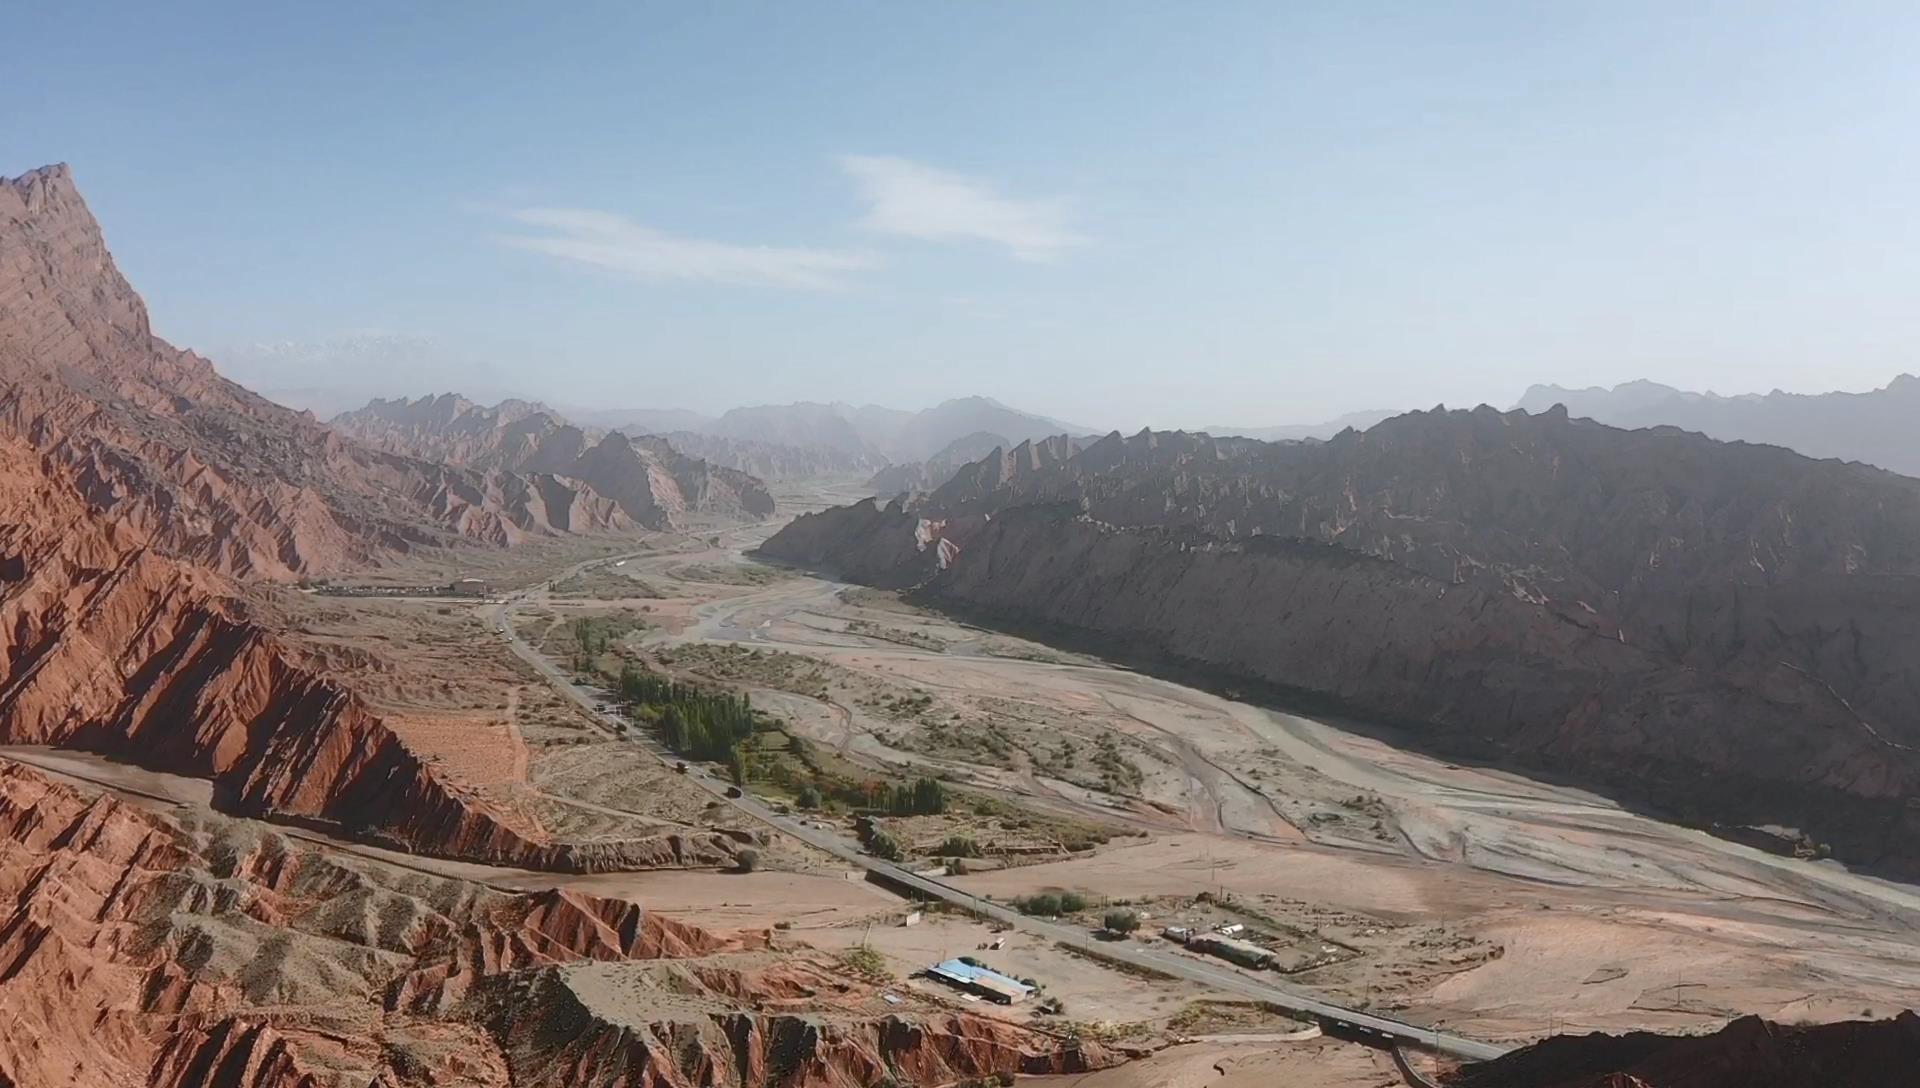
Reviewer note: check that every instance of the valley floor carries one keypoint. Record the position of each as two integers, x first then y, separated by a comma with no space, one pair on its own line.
1602,919
1472,898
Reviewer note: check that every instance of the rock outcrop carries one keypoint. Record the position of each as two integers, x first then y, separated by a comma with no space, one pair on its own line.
143,949
649,481
155,437
1720,630
1747,1052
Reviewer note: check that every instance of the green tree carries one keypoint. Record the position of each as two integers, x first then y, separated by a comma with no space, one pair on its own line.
885,847
958,846
1120,921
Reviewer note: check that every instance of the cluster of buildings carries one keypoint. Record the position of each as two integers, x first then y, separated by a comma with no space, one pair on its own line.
1224,941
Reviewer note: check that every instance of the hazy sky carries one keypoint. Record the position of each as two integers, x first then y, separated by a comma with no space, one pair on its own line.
1115,213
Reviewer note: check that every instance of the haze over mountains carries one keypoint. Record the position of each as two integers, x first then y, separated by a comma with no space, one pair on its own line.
649,480
771,442
1876,427
1286,432
886,435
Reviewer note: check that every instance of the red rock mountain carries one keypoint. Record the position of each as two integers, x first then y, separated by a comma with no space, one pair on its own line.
153,436
144,950
1726,631
650,481
112,646
135,482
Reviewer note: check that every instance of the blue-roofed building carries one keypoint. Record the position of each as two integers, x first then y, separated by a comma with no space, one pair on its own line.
988,983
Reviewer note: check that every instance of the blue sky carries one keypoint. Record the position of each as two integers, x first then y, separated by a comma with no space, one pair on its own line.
1115,213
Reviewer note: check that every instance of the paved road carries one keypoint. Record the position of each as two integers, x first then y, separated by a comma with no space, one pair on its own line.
1152,957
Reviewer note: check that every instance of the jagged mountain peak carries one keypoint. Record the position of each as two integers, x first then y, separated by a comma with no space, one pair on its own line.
218,475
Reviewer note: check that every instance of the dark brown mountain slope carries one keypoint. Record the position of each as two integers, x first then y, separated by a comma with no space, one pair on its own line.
214,473
1725,630
1747,1053
649,480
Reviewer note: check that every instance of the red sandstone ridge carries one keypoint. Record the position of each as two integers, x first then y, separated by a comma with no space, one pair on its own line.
1747,1053
141,950
213,473
111,646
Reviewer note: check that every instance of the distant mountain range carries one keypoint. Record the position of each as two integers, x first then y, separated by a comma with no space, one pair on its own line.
789,441
884,435
650,481
1294,432
1875,427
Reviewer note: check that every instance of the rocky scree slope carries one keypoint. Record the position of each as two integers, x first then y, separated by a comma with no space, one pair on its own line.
1726,631
176,951
646,477
219,476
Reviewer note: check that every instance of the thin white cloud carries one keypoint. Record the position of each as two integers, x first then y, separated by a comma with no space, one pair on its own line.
913,200
614,242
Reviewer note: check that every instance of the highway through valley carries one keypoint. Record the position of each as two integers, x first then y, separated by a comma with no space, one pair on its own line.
1355,1023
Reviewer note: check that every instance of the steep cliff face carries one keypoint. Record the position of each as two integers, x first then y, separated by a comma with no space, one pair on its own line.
145,950
211,472
1723,630
650,481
